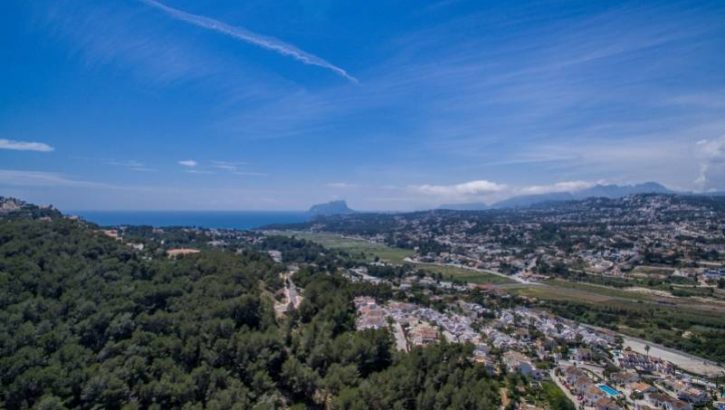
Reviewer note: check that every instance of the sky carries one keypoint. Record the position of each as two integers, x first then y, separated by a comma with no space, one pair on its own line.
390,104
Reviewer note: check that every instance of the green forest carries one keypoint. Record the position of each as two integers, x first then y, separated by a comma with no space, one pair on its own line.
88,322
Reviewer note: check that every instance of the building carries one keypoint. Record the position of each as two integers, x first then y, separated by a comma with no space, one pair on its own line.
517,362
641,388
625,377
592,394
665,402
583,354
606,404
423,334
693,395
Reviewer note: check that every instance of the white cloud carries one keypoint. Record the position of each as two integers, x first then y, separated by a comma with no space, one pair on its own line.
478,187
25,146
489,191
711,154
566,186
190,163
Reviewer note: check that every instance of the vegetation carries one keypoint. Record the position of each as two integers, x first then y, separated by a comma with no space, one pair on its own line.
554,397
90,322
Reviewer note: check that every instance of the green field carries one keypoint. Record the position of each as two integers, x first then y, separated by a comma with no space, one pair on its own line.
467,275
557,289
352,246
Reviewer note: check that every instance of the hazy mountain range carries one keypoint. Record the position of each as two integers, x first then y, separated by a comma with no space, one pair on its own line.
597,191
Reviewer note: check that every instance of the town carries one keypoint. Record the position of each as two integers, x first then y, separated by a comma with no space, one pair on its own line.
591,366
668,243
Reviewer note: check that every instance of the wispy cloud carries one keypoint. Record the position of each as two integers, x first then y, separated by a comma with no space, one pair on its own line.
247,36
230,166
199,171
131,164
189,163
25,146
24,178
224,165
250,174
341,185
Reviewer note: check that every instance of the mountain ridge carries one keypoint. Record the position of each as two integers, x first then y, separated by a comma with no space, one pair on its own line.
599,190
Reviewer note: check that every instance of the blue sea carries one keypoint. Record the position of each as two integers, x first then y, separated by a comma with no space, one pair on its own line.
203,219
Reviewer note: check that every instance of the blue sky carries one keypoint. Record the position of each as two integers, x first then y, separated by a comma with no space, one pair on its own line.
392,105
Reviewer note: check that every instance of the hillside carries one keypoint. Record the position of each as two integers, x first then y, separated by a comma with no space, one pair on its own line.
91,322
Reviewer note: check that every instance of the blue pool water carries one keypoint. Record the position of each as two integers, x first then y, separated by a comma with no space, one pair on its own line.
608,390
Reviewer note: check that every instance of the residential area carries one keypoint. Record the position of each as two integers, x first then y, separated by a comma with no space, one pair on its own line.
590,366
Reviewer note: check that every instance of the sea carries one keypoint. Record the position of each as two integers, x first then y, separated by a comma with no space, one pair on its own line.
202,219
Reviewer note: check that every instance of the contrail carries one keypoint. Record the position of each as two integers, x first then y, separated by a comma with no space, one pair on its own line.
250,37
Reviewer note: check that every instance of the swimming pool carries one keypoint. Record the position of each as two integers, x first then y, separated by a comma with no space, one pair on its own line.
608,390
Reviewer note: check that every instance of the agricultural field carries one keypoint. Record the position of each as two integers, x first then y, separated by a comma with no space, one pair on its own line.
355,247
463,274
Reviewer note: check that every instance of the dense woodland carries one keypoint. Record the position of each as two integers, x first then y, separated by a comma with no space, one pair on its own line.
88,322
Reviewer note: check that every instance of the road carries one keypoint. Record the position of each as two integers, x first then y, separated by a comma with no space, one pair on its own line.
292,297
563,388
400,342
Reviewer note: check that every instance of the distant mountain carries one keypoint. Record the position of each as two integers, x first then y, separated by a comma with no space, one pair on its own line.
471,206
597,191
330,208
